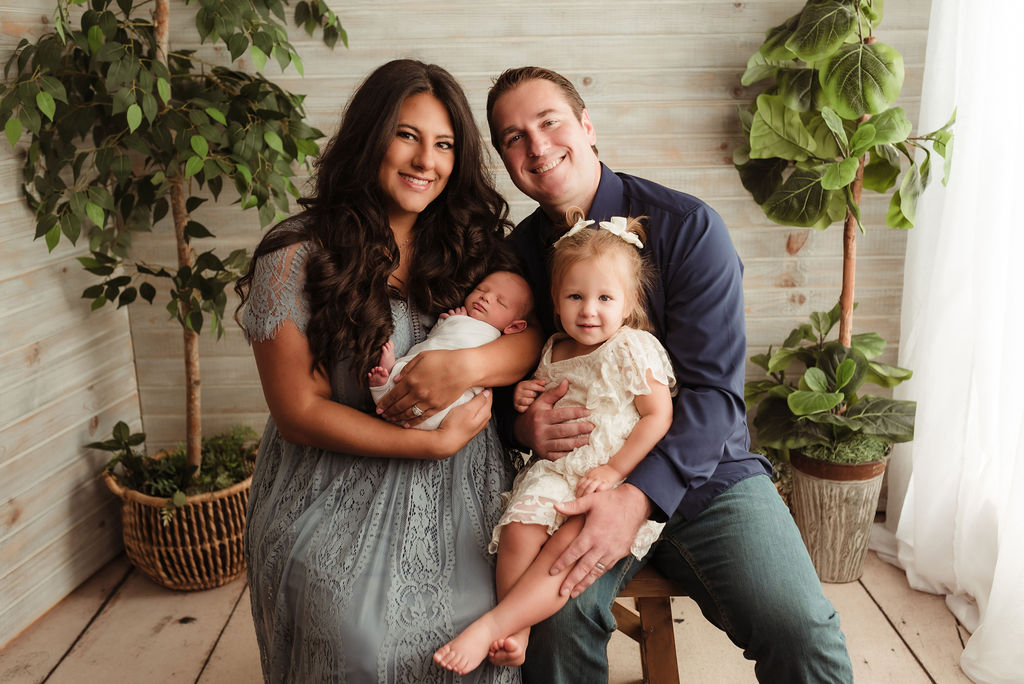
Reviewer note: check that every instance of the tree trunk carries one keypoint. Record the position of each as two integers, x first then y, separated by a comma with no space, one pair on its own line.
179,214
846,300
850,261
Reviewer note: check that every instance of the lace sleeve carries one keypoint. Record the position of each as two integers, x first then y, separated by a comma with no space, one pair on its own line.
277,294
639,352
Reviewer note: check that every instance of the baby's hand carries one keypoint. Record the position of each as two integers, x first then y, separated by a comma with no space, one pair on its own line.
597,480
525,392
457,311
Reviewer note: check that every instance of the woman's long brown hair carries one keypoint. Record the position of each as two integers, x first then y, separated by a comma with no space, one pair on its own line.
457,239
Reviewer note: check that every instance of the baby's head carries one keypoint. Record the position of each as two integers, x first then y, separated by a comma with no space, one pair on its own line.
502,299
615,258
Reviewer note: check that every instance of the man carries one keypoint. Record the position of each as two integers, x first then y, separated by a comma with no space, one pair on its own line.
729,540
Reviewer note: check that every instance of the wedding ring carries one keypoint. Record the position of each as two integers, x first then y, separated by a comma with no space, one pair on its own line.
600,566
416,410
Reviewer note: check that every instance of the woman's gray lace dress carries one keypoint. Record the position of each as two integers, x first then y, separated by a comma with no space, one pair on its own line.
359,568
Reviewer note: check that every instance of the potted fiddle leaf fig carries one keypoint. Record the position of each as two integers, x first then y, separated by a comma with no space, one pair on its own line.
118,129
823,128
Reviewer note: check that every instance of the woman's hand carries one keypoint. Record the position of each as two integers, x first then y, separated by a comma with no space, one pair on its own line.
525,392
462,424
599,479
430,382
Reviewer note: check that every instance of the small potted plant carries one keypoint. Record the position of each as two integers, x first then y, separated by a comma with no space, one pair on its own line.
809,411
181,527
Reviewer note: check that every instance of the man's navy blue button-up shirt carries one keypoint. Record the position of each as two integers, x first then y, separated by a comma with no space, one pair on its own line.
696,308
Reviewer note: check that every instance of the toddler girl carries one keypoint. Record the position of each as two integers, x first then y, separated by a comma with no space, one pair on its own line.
623,375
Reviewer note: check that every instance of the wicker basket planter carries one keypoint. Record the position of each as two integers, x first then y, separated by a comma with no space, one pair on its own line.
199,548
834,505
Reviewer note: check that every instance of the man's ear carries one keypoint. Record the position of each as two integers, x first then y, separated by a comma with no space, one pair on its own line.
514,327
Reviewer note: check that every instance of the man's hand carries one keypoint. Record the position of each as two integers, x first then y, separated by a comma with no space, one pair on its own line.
553,432
613,518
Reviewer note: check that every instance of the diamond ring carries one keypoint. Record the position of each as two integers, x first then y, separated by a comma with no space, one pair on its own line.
416,410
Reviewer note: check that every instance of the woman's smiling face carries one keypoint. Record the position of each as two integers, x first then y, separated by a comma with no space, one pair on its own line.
420,159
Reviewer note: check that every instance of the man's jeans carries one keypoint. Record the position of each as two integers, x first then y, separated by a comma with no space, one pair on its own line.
743,562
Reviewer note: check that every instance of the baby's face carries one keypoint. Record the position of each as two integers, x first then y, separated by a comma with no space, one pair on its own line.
499,299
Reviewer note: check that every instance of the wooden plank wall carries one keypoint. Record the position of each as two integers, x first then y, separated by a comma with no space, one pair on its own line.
661,81
66,376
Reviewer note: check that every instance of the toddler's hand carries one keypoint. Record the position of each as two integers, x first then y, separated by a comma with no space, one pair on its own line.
525,392
597,480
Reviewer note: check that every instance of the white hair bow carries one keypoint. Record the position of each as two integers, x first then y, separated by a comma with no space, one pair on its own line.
616,226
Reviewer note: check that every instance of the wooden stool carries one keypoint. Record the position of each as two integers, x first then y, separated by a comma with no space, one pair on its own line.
652,628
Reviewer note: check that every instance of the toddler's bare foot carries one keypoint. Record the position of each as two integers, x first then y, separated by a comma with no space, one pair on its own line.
378,376
465,652
510,651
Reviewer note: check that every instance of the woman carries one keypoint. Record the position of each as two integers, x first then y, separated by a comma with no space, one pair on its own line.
366,542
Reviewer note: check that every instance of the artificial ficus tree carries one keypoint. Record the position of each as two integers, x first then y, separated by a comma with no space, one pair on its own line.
824,128
121,129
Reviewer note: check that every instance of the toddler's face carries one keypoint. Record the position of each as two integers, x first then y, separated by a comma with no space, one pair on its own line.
592,301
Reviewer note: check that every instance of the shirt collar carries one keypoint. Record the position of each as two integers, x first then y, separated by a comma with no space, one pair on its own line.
608,200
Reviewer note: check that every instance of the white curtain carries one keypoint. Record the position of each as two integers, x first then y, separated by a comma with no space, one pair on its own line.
955,512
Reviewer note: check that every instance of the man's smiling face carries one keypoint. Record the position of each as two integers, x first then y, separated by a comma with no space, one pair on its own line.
546,149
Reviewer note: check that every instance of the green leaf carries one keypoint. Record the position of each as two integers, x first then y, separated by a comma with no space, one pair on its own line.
870,344
798,88
891,126
149,107
884,375
778,131
216,115
134,115
13,131
840,174
845,372
46,104
802,333
199,145
259,57
237,44
801,201
879,173
245,172
195,229
863,138
816,380
774,46
95,213
179,499
862,79
52,237
804,403
273,141
891,419
822,29
193,166
910,190
147,292
835,124
762,177
821,322
163,87
781,359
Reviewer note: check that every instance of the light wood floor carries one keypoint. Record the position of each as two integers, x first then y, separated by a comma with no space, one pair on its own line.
120,627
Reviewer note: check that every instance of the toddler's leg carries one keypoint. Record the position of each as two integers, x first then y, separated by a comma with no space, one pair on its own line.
518,547
379,374
532,598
